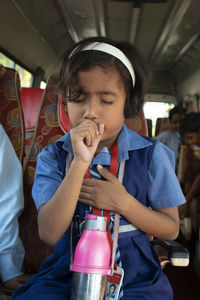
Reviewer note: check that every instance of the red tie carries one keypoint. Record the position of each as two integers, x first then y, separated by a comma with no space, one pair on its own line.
113,170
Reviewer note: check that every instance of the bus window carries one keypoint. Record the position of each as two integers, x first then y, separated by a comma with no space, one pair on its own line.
6,62
26,77
154,110
42,85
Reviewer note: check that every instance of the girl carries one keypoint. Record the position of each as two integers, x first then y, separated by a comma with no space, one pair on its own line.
103,82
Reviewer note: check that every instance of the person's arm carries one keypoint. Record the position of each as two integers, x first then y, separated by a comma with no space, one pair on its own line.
191,192
11,205
55,216
112,195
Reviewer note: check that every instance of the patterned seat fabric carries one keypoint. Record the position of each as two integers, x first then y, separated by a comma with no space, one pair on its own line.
138,124
11,115
11,118
47,131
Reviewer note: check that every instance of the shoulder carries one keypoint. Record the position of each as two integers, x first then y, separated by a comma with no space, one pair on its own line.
162,154
54,148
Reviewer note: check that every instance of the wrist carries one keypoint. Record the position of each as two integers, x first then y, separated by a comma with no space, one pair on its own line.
124,206
79,165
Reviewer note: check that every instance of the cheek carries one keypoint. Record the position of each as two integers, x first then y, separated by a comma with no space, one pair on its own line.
73,117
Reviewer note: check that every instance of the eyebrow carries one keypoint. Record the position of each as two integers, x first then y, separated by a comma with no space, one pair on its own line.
107,93
101,92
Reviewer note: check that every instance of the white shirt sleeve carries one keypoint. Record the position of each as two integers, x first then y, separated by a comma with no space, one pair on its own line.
11,206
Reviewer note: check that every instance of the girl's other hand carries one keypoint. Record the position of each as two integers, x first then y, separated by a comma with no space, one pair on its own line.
85,139
103,194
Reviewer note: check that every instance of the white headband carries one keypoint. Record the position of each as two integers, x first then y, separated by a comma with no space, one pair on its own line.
112,50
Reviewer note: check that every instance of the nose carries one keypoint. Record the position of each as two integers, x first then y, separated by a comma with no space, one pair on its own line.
90,111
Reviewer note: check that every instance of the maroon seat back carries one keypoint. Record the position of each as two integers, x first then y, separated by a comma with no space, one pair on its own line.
30,102
162,124
138,124
11,115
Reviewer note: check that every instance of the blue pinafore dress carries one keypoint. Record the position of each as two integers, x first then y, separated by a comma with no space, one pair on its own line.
143,276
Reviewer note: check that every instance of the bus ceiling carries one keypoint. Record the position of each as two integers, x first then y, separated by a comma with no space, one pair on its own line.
166,32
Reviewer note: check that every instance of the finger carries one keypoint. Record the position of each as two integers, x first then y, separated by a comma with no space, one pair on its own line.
85,195
105,173
97,140
91,182
101,128
86,201
90,134
87,131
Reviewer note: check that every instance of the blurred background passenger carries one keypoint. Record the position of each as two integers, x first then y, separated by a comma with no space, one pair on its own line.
11,206
190,177
172,138
190,131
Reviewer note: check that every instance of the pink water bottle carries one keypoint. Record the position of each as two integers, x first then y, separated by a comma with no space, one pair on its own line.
91,266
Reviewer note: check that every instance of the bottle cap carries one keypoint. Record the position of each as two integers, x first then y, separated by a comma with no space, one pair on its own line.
94,222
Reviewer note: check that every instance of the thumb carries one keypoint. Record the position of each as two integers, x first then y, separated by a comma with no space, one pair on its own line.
105,173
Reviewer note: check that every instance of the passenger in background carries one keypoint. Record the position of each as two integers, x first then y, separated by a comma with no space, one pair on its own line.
190,177
190,130
172,138
11,206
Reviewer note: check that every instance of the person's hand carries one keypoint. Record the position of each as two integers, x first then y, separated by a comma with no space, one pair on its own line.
16,282
85,139
108,195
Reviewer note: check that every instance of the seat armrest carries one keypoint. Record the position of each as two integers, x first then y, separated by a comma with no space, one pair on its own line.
176,253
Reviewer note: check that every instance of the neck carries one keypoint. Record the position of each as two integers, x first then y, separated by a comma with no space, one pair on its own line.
109,144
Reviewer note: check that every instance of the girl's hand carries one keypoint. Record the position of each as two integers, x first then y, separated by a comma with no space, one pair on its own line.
85,139
101,194
16,282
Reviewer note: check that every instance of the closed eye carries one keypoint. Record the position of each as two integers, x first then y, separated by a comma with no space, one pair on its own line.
77,100
106,101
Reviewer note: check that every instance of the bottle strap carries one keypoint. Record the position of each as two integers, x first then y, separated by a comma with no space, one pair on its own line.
116,221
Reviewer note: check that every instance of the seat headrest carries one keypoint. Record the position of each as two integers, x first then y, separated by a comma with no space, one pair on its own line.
30,101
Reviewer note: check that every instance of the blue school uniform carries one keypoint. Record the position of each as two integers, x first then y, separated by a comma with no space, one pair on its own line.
150,178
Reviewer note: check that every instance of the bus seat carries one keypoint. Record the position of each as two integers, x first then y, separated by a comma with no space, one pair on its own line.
138,124
162,124
149,126
11,115
30,102
47,130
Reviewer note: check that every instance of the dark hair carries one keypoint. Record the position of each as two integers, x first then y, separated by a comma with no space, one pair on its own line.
176,110
191,123
112,285
83,60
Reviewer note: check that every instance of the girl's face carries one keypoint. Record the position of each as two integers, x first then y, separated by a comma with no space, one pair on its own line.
102,100
192,138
